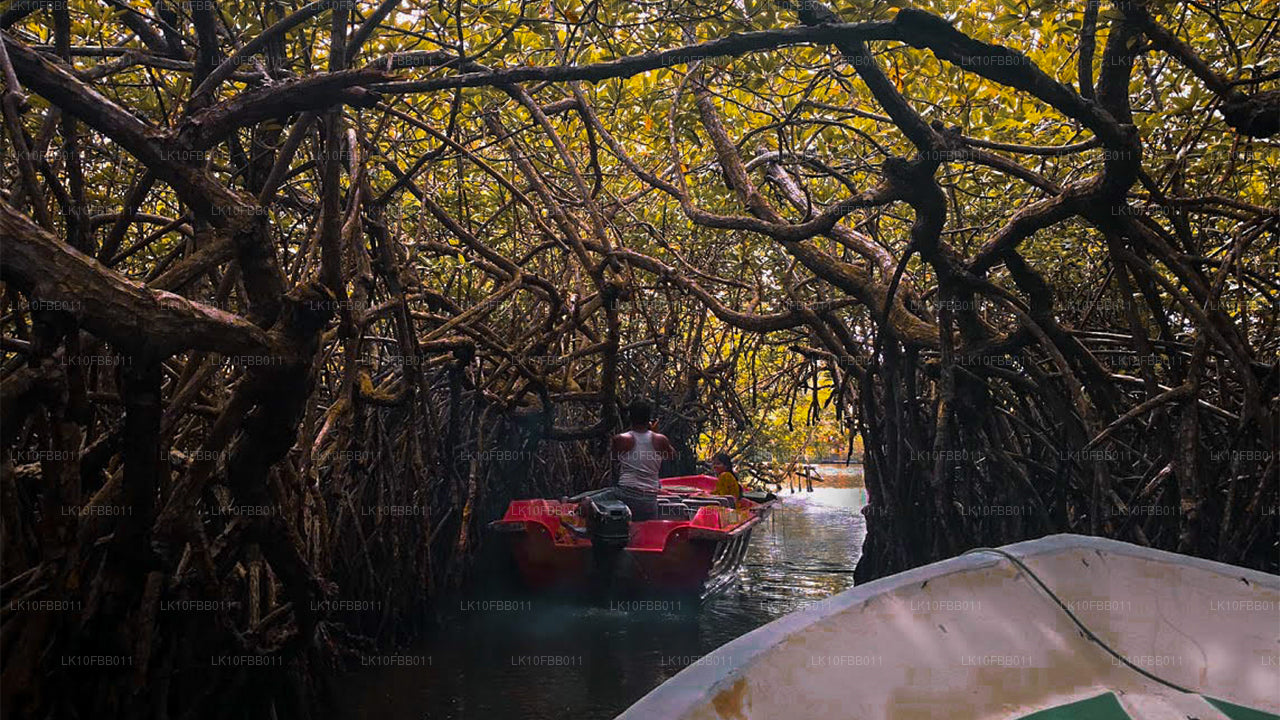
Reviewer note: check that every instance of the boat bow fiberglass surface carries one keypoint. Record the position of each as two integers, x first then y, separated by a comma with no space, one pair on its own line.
976,636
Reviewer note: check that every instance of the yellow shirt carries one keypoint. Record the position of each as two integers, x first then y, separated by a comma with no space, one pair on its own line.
727,484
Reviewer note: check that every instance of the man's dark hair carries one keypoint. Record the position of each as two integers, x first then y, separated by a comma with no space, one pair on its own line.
639,412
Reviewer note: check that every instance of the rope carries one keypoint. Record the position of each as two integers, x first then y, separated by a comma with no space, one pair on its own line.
1083,628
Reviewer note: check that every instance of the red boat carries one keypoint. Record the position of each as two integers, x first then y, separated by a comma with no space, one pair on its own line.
588,542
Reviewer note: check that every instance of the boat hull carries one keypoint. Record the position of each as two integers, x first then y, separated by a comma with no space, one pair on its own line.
975,637
685,565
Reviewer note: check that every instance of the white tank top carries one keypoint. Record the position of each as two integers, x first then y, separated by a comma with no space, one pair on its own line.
638,467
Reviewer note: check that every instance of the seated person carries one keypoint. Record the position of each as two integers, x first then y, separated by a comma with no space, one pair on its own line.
640,452
727,482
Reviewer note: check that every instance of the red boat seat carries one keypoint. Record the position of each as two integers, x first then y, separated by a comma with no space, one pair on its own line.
707,517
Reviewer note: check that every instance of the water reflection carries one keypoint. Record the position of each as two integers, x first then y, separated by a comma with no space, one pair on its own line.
546,660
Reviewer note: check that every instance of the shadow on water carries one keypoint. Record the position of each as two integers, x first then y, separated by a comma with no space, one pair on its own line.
541,659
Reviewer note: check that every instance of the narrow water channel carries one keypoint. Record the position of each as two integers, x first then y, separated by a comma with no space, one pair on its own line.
541,660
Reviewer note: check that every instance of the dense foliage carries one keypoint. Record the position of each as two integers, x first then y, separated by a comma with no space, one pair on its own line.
297,295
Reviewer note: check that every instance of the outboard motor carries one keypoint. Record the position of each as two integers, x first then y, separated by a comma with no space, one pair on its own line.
609,526
608,521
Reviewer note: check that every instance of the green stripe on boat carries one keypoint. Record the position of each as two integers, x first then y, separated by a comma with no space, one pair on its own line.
1102,707
1239,712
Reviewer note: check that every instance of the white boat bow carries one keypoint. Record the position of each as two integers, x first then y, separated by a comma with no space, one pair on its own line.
976,637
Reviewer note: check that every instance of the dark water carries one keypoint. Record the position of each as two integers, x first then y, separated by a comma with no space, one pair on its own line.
543,660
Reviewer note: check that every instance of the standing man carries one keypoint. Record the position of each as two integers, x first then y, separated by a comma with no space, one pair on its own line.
640,452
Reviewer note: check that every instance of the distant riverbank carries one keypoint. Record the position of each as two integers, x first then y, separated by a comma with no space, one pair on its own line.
839,476
832,475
